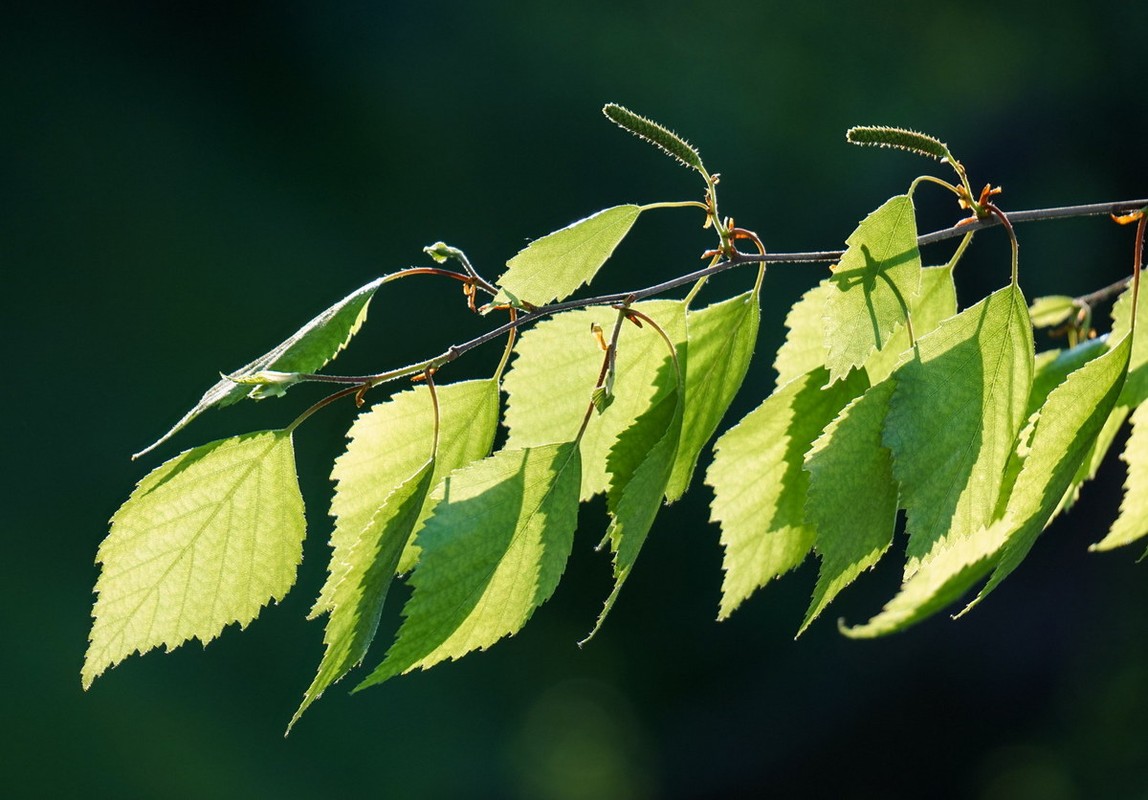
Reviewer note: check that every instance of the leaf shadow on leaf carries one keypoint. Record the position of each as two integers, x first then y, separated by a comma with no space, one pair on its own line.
868,276
940,449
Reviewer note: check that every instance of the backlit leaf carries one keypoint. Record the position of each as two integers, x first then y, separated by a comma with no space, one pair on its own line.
309,349
1136,386
492,552
356,601
1132,522
553,267
390,443
556,366
639,466
852,498
1048,312
760,486
1071,418
936,303
875,284
957,408
721,338
205,540
804,347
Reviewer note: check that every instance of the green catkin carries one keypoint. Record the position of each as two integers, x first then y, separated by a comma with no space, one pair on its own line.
662,138
901,139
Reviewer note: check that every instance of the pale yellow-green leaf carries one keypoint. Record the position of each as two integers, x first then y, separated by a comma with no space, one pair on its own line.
205,540
1132,523
553,267
759,484
551,381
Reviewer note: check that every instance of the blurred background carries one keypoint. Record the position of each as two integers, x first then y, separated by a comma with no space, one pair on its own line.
183,185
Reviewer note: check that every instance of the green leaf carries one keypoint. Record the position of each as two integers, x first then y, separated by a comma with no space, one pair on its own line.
1048,312
1136,387
804,347
852,497
760,486
720,345
206,539
356,602
1132,523
1069,421
308,350
492,552
555,369
876,283
553,267
639,466
956,411
390,443
936,303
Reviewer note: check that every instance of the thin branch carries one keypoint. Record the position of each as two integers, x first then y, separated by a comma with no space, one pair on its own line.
739,259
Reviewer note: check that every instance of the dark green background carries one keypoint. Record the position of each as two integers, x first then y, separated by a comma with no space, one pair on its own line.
182,186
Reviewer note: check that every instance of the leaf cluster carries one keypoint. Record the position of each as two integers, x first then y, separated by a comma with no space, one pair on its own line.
890,400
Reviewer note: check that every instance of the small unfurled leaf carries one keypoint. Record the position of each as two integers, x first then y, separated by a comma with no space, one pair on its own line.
308,350
556,367
1069,421
205,540
721,338
852,497
874,286
957,408
661,137
553,267
639,467
1132,523
1048,312
391,442
356,602
492,552
760,486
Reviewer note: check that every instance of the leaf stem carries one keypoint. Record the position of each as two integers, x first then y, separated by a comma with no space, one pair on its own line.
607,365
676,204
993,209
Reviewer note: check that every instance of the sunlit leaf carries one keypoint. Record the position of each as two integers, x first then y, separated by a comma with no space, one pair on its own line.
1132,523
356,601
492,552
557,362
721,340
390,443
957,408
804,348
309,349
1048,312
852,498
639,466
874,286
936,303
553,267
760,486
1069,421
205,540
1136,386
